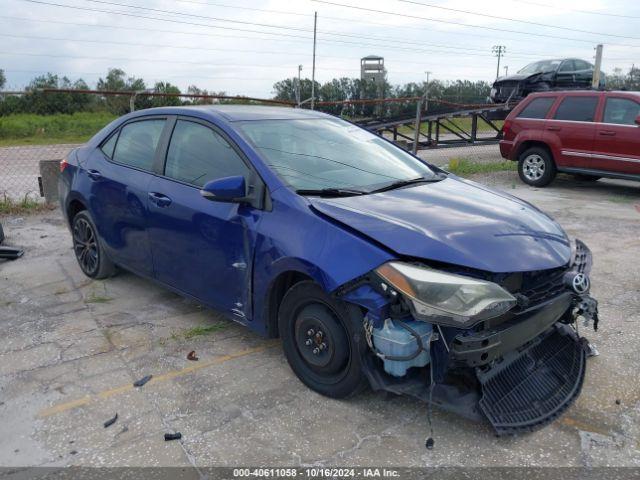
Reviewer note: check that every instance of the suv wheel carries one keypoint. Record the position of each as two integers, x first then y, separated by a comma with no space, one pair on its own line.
323,340
536,167
87,246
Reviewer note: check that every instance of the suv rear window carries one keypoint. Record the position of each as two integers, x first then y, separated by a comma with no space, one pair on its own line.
538,108
577,109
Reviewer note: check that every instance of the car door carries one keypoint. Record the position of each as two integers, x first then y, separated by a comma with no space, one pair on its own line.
583,73
202,247
565,76
617,142
571,130
120,172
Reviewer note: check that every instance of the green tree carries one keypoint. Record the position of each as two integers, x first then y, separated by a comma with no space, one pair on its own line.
116,80
165,87
3,79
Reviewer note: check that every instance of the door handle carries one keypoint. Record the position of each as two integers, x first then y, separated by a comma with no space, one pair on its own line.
607,133
159,199
94,174
553,129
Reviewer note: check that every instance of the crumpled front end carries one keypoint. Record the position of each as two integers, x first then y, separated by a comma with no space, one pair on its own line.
503,347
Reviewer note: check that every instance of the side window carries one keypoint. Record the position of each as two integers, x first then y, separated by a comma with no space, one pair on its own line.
109,145
538,108
621,111
197,154
578,109
568,66
582,65
137,143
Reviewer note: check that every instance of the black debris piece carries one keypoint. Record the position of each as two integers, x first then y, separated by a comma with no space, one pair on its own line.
172,436
73,452
618,402
192,356
111,421
9,253
142,381
429,443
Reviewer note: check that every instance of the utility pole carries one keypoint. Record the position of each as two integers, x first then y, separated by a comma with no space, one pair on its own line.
596,70
499,51
426,93
506,70
313,70
298,88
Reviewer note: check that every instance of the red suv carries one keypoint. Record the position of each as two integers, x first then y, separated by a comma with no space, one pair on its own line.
586,133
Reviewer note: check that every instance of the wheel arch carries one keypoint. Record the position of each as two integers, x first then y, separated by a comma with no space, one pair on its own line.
527,144
276,292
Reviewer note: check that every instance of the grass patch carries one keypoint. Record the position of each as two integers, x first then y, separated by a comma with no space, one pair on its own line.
462,167
463,123
201,330
26,205
29,129
621,199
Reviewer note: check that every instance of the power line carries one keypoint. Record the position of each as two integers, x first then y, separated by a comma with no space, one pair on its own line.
585,12
451,49
527,22
460,24
384,39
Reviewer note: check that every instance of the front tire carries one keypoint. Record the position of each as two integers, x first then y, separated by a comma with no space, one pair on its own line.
536,167
87,246
323,340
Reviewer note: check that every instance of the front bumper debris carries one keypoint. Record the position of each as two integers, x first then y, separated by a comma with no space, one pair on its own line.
532,388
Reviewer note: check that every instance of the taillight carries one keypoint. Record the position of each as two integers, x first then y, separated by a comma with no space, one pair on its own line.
506,129
63,164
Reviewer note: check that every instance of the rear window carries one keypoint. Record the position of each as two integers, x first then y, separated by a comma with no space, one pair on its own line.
621,111
538,108
577,109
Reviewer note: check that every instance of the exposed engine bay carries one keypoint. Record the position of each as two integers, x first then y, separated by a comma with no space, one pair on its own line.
505,348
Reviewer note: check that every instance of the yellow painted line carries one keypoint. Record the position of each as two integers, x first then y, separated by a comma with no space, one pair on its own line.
580,425
63,407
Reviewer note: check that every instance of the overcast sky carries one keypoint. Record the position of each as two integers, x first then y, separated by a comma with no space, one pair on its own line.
244,46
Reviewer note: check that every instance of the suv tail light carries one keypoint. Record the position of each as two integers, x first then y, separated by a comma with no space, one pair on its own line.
506,129
63,164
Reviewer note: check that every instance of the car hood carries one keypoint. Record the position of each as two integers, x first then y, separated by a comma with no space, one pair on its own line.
457,222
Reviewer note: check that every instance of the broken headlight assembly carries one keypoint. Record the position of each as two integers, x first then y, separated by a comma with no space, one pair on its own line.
446,298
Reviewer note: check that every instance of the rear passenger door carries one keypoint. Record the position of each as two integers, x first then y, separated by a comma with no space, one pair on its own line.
571,130
617,142
119,172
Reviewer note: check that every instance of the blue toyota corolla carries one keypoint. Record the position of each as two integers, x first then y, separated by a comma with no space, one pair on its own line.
371,265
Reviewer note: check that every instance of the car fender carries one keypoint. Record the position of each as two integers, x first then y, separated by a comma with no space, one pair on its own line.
325,250
528,135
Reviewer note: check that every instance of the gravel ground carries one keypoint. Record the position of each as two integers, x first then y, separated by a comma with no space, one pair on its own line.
70,349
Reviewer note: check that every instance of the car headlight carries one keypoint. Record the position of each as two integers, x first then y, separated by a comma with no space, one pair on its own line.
446,298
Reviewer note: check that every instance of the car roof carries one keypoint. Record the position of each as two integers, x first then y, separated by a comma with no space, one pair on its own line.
234,113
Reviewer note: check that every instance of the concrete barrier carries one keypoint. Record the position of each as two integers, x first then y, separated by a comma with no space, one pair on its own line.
48,180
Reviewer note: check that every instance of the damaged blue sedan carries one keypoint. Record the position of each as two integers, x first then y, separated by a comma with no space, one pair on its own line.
373,266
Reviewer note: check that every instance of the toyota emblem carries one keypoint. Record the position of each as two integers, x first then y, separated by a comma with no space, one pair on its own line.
580,283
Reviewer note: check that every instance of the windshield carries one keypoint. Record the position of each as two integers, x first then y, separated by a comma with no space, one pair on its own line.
330,153
542,67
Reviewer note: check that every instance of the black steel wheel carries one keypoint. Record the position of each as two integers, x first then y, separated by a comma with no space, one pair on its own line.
87,248
322,340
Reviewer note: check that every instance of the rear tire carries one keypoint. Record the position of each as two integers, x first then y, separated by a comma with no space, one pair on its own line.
323,340
536,167
87,246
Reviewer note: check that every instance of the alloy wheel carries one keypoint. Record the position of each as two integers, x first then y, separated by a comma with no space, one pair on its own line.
533,167
85,246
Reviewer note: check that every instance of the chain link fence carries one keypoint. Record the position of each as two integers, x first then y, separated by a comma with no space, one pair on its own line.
447,131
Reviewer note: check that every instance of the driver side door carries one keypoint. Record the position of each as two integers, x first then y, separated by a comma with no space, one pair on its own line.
201,247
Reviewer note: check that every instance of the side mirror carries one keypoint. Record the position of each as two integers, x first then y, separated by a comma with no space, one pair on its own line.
638,120
228,189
